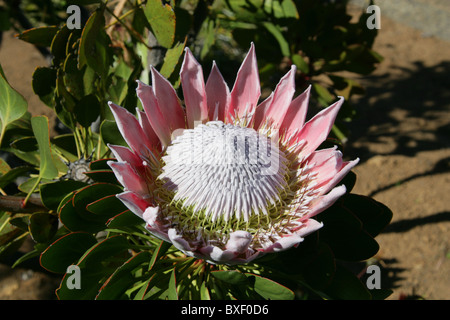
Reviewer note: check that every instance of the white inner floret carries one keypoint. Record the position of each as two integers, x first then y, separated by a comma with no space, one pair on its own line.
227,171
219,178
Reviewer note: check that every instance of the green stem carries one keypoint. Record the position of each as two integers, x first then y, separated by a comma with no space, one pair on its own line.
31,191
2,134
4,224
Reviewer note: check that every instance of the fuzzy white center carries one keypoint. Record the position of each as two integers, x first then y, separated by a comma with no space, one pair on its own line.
224,171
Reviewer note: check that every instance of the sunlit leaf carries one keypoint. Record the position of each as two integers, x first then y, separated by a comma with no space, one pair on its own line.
48,169
41,36
162,20
12,105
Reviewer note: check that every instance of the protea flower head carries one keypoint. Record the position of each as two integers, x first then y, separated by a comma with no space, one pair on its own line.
221,177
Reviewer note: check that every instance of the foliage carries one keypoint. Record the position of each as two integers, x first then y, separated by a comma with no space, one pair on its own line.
67,202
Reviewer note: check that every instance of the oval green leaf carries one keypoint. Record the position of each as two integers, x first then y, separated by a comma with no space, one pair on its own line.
270,289
66,251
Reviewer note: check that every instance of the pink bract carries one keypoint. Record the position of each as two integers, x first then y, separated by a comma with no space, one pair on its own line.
179,177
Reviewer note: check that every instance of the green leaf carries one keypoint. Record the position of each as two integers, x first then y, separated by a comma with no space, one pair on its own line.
25,144
41,36
74,214
43,226
204,292
162,20
87,110
374,215
325,97
159,252
44,84
97,264
30,184
270,289
111,134
109,206
54,192
94,49
210,31
66,251
66,145
59,44
172,293
231,277
47,169
278,35
124,219
12,105
123,278
13,174
106,176
300,62
171,59
73,77
346,286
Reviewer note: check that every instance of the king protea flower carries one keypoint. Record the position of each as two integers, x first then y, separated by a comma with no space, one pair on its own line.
221,177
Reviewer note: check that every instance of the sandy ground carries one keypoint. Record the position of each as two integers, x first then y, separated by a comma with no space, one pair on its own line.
403,139
402,136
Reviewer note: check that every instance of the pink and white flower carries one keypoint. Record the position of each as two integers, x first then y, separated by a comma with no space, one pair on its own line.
221,176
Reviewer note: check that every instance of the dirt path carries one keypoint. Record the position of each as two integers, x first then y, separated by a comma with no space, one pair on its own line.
402,137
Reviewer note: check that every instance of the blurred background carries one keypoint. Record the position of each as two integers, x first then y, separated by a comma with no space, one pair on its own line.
399,128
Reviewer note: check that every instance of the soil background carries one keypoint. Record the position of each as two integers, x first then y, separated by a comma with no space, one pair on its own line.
401,135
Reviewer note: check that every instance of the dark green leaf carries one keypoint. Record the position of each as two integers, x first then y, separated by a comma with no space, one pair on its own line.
53,193
44,84
25,144
231,277
111,134
66,251
106,176
123,278
59,43
346,286
78,220
374,215
101,164
66,144
94,49
270,289
43,226
73,77
13,174
87,110
96,265
278,35
124,219
41,36
107,206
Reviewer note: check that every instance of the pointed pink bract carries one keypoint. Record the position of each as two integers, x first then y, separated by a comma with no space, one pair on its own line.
217,94
247,89
193,90
317,129
296,113
154,114
168,101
